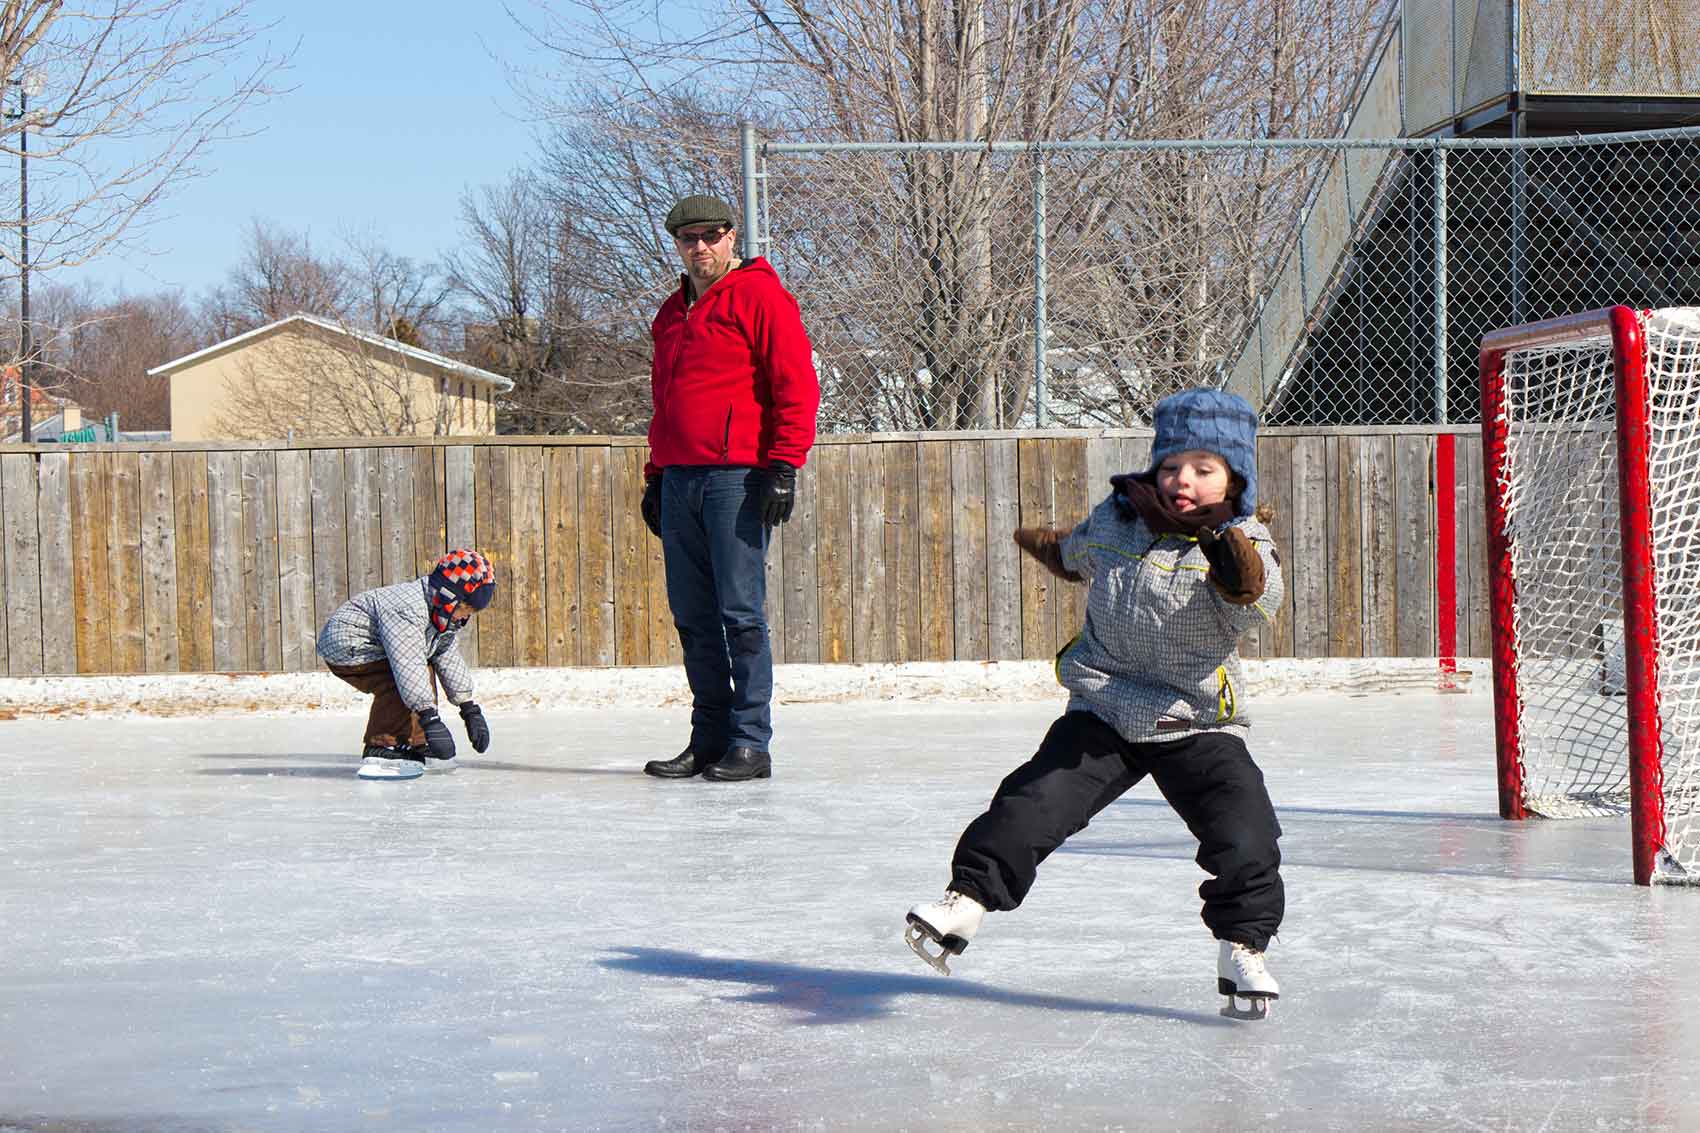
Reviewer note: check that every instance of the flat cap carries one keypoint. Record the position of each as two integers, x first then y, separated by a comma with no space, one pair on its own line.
699,210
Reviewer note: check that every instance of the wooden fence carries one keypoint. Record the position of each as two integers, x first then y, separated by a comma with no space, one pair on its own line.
205,558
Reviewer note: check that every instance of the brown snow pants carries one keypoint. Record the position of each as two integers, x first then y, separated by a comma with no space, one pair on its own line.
390,719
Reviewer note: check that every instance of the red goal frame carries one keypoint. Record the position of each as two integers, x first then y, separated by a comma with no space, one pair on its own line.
1640,620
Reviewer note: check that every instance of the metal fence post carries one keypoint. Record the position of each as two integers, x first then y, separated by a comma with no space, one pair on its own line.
752,212
1440,341
1039,293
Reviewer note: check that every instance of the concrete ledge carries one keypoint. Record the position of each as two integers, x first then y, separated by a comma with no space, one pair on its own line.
203,694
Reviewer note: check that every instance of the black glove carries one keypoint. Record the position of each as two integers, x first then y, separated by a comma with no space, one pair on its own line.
651,508
437,734
476,729
1236,569
779,494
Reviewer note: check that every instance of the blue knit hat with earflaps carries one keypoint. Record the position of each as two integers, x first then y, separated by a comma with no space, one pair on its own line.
1214,421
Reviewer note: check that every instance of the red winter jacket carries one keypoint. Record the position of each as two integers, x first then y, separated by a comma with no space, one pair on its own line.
734,376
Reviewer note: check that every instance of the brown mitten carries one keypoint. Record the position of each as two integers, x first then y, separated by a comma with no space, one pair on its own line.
1045,544
1236,569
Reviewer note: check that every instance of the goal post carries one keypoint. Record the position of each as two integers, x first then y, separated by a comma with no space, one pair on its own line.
1591,444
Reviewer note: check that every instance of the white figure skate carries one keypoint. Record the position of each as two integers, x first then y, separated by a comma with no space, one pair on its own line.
950,923
389,763
1241,974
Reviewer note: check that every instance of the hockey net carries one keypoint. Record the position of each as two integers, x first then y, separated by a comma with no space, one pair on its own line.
1591,427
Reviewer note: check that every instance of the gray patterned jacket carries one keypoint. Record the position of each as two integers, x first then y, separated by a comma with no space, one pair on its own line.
1157,657
394,623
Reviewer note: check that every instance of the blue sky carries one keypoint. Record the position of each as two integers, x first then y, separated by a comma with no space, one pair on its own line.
396,107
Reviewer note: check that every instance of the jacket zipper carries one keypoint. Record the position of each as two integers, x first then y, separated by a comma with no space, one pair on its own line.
726,437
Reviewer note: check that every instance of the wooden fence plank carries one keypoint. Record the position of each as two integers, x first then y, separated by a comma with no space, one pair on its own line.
834,552
58,603
397,536
91,491
1309,578
631,582
1345,547
224,538
299,630
330,534
429,531
494,479
1004,579
194,562
968,549
560,554
1070,506
1381,592
160,650
802,578
1413,460
596,558
529,574
902,549
22,570
938,573
869,612
124,564
1275,489
364,517
460,526
259,547
1037,470
664,646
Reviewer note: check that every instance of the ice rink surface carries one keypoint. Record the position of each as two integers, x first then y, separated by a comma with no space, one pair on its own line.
210,924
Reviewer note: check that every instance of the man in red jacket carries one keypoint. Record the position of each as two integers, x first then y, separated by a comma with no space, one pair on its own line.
735,401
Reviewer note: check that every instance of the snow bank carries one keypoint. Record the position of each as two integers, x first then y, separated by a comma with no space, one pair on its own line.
201,694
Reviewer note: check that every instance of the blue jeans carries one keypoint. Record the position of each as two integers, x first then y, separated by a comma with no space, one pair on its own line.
715,547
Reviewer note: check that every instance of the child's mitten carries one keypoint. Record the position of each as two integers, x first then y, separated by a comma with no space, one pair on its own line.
1236,569
476,729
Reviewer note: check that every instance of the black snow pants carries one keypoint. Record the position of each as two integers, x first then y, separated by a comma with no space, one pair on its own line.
1084,765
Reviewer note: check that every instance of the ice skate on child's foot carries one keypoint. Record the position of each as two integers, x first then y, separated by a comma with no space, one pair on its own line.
950,923
378,762
422,752
1241,975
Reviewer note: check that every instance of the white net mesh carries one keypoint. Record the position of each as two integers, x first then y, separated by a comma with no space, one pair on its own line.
1559,494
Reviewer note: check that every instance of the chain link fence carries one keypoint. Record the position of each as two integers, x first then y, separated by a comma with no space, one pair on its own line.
1010,285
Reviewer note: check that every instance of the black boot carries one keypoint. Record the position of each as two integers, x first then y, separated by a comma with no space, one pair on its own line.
740,763
681,766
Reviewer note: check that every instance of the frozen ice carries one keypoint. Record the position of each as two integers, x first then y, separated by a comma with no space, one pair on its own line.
208,923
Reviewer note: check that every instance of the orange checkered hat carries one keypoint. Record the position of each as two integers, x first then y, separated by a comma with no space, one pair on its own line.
462,575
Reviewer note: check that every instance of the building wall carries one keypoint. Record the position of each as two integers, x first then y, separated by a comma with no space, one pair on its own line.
321,384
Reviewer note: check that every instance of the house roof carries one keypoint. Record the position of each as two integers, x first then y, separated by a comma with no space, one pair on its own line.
431,358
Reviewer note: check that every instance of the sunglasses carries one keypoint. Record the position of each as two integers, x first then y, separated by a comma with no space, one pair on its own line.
711,237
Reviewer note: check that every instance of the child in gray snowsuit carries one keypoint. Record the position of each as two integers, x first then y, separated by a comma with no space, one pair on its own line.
396,642
1180,565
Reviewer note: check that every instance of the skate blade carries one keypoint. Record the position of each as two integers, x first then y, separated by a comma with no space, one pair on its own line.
917,937
386,770
1257,1007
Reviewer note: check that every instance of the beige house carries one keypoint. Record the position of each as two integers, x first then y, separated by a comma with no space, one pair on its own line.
310,377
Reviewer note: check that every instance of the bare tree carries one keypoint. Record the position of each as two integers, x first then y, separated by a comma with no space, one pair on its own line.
121,101
278,275
915,271
547,290
395,295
